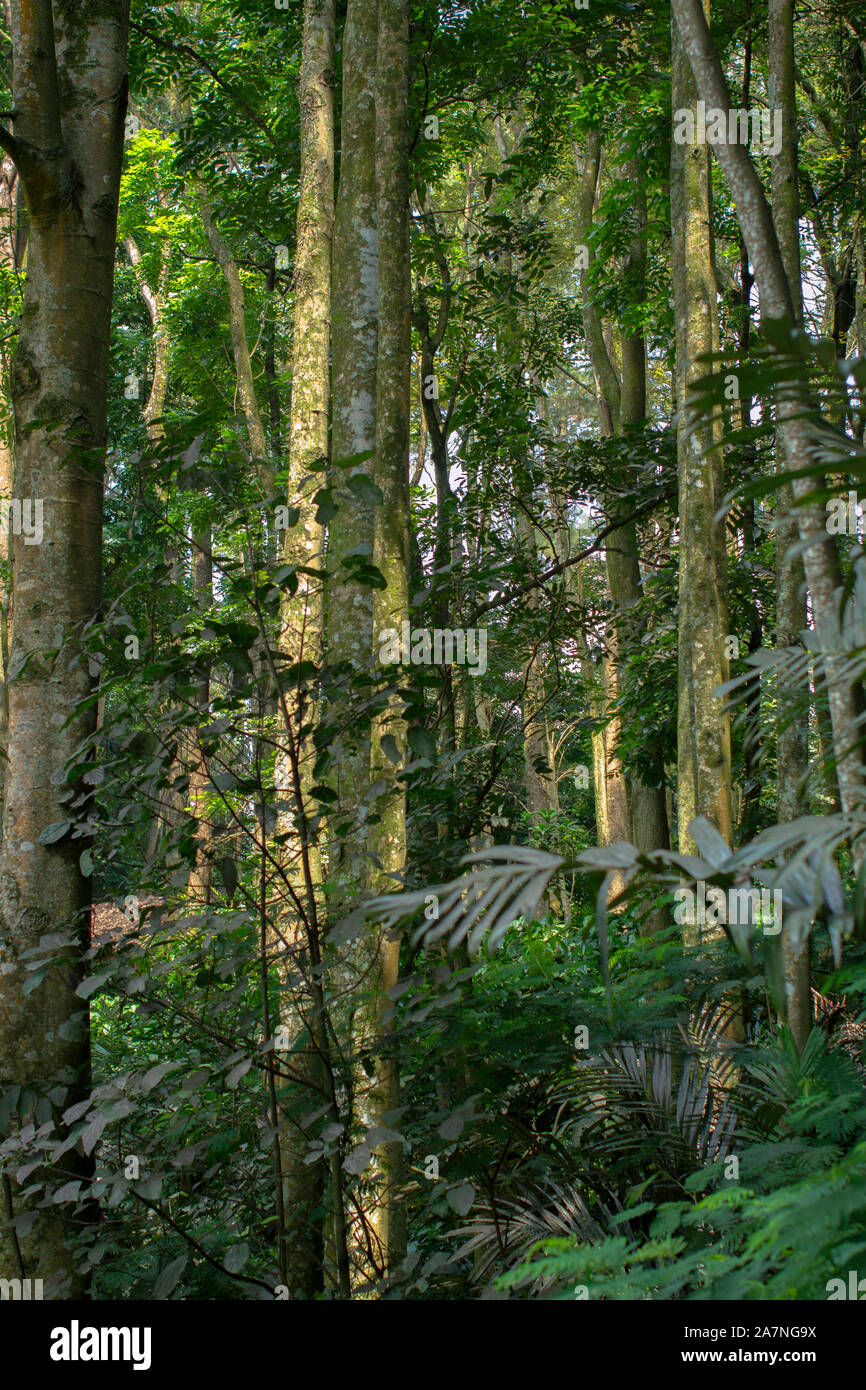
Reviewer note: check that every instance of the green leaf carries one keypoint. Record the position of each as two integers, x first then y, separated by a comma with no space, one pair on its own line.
352,460
422,743
92,984
326,507
461,1198
68,1192
154,1075
169,1278
91,1134
323,793
357,1160
236,1257
389,747
52,833
365,489
237,1072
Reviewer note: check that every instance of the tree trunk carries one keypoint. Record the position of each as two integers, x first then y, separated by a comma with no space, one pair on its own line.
622,406
154,301
200,879
302,634
820,556
647,809
391,557
70,171
703,730
539,786
793,742
240,347
354,337
8,218
353,344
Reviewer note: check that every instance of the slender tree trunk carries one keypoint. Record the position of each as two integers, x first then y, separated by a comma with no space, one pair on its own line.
354,332
793,741
391,557
647,810
749,820
154,301
8,219
69,163
302,632
608,778
642,816
354,337
539,787
604,369
252,414
436,427
820,556
703,730
200,879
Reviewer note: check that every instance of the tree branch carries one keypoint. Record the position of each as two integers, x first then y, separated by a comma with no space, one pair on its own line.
520,589
184,49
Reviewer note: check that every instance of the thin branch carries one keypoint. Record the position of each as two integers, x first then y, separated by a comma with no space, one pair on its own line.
520,589
184,49
199,1249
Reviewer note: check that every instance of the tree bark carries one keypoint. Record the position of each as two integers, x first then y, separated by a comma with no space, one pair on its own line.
703,730
792,758
647,809
820,556
354,330
622,406
70,171
302,621
8,218
154,301
201,876
258,446
349,633
391,557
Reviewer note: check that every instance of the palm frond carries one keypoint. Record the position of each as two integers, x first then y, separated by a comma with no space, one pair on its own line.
502,884
502,1234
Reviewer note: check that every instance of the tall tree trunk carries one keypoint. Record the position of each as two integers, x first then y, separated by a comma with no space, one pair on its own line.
642,814
154,301
539,786
252,414
70,171
703,730
391,557
608,778
302,636
538,783
354,337
749,820
793,741
8,218
169,807
437,426
354,321
820,556
200,879
647,809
